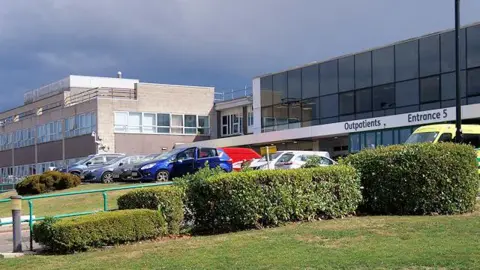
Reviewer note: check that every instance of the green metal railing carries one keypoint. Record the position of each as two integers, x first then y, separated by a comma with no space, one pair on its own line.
104,192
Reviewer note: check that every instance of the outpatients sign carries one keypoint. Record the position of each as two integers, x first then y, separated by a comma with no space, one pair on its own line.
398,120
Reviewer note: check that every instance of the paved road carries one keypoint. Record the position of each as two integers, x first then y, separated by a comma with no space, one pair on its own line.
6,241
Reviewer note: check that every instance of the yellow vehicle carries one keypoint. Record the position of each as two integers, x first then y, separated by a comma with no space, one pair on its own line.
446,133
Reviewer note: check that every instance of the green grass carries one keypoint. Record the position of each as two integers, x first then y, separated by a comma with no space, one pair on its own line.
68,204
445,242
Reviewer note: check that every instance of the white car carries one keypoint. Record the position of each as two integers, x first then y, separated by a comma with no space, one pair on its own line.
285,156
295,160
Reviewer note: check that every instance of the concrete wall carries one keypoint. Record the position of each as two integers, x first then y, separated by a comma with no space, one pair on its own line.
156,98
143,144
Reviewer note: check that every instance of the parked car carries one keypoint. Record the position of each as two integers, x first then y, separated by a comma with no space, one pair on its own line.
240,156
180,162
263,164
104,172
124,171
295,160
92,160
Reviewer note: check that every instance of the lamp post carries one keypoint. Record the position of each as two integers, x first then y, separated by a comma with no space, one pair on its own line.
458,107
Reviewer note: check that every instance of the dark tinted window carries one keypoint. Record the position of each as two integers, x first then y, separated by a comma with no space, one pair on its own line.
406,60
329,106
430,89
408,109
294,114
346,76
347,103
310,109
449,85
363,70
430,106
266,91
294,84
310,82
363,100
383,66
430,56
472,139
328,78
280,112
406,93
267,117
473,46
280,92
473,82
384,97
447,48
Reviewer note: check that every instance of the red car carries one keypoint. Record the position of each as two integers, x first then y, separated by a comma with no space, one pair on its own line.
240,155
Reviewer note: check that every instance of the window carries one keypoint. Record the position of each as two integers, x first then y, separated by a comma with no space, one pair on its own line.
347,103
430,89
190,124
294,115
207,153
163,123
430,55
177,124
346,75
449,85
285,158
328,78
266,91
97,160
294,84
473,46
121,122
204,125
267,117
472,139
363,100
383,66
447,47
329,106
384,97
281,116
149,123
280,88
310,82
134,122
473,82
406,60
231,124
363,70
187,154
325,161
387,137
250,118
310,110
445,137
406,93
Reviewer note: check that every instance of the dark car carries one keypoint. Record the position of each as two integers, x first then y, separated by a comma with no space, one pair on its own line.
180,162
92,160
124,172
104,172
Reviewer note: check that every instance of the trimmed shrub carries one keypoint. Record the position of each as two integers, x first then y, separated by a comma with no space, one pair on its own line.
417,179
98,230
46,182
235,201
167,199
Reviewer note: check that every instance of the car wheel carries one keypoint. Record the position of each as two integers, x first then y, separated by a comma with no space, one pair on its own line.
162,176
107,178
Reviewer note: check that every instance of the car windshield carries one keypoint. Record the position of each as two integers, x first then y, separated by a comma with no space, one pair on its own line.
422,137
115,160
82,161
167,155
271,156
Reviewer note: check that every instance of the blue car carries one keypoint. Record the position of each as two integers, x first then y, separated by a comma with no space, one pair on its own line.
92,160
104,172
180,162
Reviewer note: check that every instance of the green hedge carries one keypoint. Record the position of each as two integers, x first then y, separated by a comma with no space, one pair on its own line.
98,230
235,201
167,199
46,182
417,179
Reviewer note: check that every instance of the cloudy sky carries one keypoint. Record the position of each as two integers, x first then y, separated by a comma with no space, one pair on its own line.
221,43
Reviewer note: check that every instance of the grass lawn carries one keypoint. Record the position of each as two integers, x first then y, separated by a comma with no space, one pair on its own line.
433,242
68,204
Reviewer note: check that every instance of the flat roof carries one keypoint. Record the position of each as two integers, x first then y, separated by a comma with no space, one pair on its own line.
371,49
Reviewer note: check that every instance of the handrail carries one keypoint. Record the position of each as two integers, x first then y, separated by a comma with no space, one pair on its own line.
36,197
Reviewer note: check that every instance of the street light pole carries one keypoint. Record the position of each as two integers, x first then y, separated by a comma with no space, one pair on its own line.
458,107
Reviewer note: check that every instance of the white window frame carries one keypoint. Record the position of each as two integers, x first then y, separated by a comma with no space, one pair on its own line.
172,127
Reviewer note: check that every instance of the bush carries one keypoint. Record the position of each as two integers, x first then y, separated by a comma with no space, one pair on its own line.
98,230
46,182
312,162
167,199
235,201
417,179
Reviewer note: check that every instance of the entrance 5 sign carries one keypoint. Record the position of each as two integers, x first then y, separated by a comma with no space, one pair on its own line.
421,117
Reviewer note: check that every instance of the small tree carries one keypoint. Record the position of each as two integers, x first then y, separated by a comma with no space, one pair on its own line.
312,162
